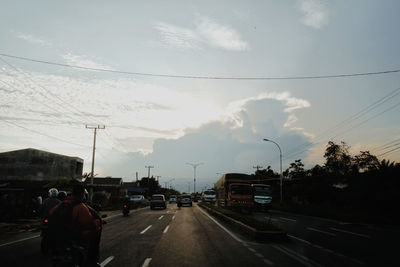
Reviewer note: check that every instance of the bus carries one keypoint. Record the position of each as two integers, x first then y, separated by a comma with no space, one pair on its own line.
234,191
262,196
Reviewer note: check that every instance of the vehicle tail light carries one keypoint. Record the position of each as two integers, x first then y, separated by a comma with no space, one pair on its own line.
46,221
124,206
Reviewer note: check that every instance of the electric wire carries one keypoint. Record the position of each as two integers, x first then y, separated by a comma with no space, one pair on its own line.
202,77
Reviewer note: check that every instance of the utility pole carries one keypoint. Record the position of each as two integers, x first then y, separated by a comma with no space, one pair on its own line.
194,165
148,167
93,155
188,187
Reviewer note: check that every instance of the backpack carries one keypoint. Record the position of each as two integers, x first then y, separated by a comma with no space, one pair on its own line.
60,231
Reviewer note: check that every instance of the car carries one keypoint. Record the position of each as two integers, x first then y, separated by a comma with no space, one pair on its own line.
139,200
186,200
172,199
158,200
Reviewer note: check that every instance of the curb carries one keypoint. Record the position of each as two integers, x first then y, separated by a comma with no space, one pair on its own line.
250,231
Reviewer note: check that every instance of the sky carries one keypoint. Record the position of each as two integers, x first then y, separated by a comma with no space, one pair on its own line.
168,122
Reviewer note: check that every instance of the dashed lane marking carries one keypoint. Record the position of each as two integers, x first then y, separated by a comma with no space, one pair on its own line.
146,262
144,231
259,255
252,250
320,231
173,217
287,219
20,240
161,217
294,255
268,262
326,249
166,229
348,232
106,261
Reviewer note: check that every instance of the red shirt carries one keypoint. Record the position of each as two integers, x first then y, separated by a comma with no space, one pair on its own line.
83,223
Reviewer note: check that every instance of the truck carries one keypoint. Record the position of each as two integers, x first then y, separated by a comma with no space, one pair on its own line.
234,191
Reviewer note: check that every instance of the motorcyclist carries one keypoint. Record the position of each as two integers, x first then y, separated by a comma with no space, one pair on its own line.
126,205
86,224
179,202
50,202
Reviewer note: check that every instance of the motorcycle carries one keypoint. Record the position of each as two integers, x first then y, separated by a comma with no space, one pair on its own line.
125,210
44,243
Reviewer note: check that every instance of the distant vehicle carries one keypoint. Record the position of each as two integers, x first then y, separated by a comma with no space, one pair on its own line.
209,196
139,200
172,199
234,191
158,200
186,200
262,196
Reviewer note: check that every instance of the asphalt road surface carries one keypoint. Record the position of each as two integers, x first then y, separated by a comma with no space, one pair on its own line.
190,237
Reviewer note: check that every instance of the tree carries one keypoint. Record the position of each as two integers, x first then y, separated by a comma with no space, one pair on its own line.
338,159
366,162
296,169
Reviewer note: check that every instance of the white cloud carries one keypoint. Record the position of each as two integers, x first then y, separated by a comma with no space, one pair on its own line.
178,36
207,32
291,104
83,61
315,13
221,36
32,39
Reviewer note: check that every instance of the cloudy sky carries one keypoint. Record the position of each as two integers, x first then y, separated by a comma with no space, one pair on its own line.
168,122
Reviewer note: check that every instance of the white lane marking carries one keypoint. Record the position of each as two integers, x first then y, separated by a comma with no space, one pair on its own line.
259,255
106,261
320,231
326,249
146,262
222,227
299,239
268,262
287,219
173,217
161,217
166,229
294,255
20,240
144,231
351,233
252,250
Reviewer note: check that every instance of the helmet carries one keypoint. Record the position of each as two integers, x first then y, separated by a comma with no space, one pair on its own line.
53,192
62,195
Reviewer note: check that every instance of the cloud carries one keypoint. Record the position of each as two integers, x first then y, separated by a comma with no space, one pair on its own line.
315,13
178,36
32,39
207,32
219,144
83,61
221,36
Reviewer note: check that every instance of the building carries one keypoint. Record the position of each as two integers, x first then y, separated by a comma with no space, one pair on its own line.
38,165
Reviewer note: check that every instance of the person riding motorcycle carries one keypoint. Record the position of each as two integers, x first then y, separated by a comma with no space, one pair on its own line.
50,202
85,224
179,202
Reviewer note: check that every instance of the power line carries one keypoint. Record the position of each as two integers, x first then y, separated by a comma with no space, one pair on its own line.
388,144
349,119
390,151
203,77
40,133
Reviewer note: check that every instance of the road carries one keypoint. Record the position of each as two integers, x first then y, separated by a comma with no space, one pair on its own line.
191,237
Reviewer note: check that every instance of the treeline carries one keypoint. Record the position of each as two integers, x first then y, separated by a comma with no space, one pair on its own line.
346,187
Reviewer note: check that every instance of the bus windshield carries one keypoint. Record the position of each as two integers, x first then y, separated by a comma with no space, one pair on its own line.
262,191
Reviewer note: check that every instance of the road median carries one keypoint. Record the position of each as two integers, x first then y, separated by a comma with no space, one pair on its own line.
250,227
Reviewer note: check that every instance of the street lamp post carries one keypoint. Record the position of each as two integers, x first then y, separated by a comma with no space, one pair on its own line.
280,158
194,165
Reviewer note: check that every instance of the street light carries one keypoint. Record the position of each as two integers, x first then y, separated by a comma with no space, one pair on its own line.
194,165
280,157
